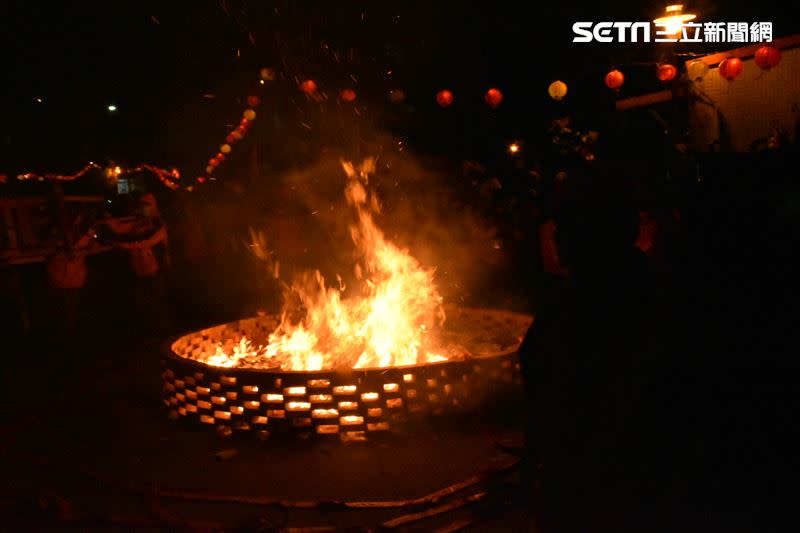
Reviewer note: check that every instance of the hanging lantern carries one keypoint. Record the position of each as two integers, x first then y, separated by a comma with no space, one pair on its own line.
557,90
253,101
347,95
697,69
249,114
444,98
225,148
241,130
267,73
201,179
615,79
493,97
309,86
666,72
230,139
220,157
213,162
236,134
397,96
731,68
209,169
767,57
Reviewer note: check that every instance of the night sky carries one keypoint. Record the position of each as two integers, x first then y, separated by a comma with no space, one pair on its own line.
156,60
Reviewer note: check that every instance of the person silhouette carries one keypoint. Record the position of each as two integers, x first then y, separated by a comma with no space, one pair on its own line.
589,363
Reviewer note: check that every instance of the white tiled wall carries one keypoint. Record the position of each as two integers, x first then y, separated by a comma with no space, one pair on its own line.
748,107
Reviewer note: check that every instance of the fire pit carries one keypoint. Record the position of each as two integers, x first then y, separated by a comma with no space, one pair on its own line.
349,359
349,405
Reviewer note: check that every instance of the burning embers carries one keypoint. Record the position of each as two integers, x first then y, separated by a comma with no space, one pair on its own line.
393,319
348,404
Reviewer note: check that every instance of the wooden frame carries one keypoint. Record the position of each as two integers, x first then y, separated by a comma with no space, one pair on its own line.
12,224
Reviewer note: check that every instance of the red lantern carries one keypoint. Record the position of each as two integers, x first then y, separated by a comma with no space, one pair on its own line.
243,122
397,96
493,97
309,86
201,179
253,101
230,139
220,157
241,130
444,98
347,95
213,162
615,79
767,57
666,72
731,68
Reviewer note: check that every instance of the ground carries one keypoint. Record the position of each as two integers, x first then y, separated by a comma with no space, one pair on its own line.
88,442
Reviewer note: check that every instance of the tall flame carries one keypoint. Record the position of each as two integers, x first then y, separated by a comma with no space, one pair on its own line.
390,322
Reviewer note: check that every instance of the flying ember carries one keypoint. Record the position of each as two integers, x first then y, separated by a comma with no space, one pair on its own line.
393,319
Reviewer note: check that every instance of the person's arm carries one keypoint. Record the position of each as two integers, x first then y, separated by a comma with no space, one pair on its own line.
160,235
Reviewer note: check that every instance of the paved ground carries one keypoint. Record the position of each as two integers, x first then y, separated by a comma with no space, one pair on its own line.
87,442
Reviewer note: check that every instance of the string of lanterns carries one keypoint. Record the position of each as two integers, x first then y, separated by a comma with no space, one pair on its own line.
493,97
58,177
170,178
766,58
245,123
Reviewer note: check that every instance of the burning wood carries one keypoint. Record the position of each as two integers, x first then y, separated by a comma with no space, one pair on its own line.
346,366
395,318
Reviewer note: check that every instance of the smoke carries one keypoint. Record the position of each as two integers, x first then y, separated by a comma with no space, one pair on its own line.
420,211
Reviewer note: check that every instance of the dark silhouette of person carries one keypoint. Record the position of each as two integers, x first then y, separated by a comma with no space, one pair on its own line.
590,363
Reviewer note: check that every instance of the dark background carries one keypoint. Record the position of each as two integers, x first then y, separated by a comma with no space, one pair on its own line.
156,60
736,340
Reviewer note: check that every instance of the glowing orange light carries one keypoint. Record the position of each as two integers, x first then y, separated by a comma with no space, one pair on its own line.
392,320
444,98
614,79
666,72
347,95
513,148
493,97
767,57
673,20
731,68
308,86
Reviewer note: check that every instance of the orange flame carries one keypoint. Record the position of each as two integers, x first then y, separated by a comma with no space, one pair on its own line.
391,322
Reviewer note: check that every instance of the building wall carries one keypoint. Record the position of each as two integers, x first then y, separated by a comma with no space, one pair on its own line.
737,113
